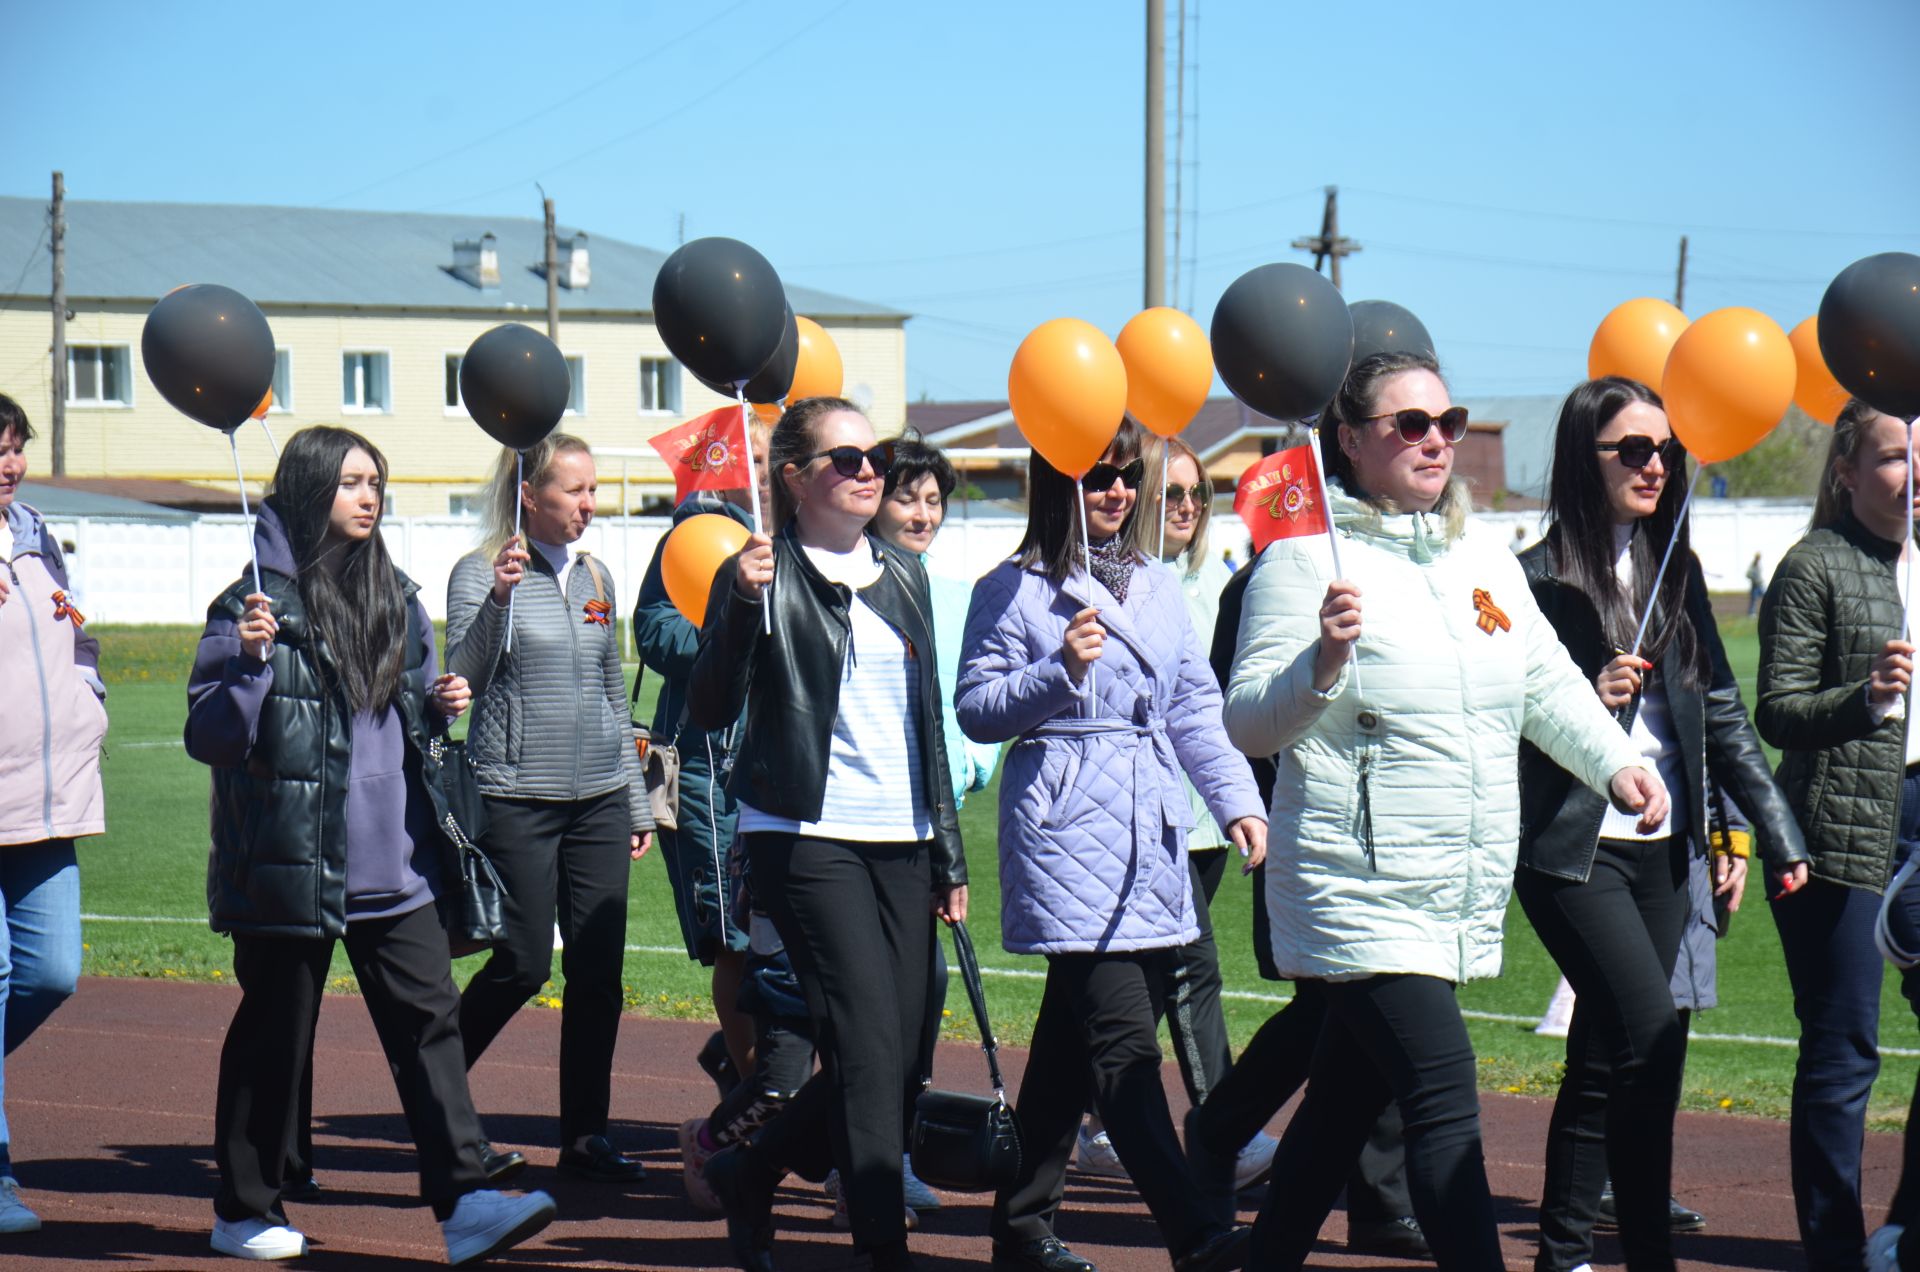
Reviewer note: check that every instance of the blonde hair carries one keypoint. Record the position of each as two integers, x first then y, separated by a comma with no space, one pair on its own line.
1143,531
503,488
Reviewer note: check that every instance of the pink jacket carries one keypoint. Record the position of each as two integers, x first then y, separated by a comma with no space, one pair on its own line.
54,722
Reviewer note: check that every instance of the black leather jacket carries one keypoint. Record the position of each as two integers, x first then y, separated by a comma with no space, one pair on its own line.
1560,819
789,683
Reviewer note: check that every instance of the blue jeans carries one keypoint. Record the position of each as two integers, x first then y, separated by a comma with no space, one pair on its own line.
1826,933
39,945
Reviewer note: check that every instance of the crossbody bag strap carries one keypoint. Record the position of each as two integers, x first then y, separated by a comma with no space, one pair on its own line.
977,995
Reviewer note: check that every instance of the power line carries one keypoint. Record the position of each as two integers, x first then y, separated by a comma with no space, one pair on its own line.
33,254
1591,219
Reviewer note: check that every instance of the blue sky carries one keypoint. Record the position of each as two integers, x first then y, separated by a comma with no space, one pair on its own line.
1511,169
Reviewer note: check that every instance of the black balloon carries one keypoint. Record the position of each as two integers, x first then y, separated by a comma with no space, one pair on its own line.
1380,326
209,351
515,383
1282,340
776,377
1869,330
720,309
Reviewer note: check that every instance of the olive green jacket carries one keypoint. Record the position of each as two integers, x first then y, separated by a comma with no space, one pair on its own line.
1833,605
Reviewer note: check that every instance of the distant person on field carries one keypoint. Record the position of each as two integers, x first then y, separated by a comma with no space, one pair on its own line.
1756,585
313,698
49,794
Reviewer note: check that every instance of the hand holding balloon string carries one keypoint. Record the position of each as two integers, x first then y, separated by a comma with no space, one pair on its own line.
509,568
755,569
1086,639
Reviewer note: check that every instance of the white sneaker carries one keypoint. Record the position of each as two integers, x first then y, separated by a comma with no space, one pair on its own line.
1584,1267
1255,1161
14,1215
1094,1155
487,1222
1883,1248
1559,1017
257,1239
919,1195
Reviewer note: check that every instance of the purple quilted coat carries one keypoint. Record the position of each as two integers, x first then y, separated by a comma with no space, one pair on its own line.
1093,815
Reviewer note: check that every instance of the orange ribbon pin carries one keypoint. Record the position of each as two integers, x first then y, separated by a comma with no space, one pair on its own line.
597,612
1491,615
64,608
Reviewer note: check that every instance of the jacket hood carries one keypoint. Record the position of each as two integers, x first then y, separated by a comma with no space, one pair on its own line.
1420,536
25,522
270,540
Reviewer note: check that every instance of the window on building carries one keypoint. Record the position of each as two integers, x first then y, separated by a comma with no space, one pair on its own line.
577,385
364,383
660,385
453,401
466,504
99,375
282,381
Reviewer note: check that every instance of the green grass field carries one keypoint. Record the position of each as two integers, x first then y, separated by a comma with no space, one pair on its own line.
145,883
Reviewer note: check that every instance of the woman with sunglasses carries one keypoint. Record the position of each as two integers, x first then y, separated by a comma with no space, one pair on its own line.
1092,669
1836,672
824,635
1608,893
1395,698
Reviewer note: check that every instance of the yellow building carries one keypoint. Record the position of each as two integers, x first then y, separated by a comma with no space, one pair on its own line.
370,313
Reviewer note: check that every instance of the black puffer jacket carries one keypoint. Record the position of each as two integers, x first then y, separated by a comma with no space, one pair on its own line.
1833,604
794,678
1561,819
278,864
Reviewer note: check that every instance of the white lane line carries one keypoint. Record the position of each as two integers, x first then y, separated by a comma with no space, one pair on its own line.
1241,995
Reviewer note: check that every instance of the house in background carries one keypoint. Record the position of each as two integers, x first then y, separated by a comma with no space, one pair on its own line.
371,313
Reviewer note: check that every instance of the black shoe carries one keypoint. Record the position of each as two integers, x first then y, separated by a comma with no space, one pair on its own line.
891,1257
1213,1173
302,1187
718,1064
1223,1251
1396,1238
1679,1218
1042,1254
500,1167
745,1189
601,1161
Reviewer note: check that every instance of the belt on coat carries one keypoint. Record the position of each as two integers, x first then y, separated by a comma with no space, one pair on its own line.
1159,751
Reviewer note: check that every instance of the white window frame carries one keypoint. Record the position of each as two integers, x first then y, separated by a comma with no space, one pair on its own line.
572,358
477,498
459,408
679,384
100,403
282,406
388,409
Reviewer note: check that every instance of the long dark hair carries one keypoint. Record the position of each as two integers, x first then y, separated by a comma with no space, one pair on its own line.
1581,537
1052,540
1835,500
351,592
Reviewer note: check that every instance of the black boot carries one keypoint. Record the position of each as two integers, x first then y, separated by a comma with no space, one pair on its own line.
744,1186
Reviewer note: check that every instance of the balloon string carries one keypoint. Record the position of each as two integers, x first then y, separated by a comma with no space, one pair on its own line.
271,440
253,552
1333,539
1160,553
753,485
1653,595
519,480
1086,550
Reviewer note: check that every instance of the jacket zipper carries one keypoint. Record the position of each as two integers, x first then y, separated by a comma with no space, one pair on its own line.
46,707
934,807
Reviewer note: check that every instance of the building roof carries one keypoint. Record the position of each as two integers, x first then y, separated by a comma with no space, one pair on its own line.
1530,419
329,257
69,497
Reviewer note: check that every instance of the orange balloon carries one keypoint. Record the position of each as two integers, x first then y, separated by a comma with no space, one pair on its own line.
1068,390
1169,368
1814,388
1634,340
1728,381
818,372
695,551
260,411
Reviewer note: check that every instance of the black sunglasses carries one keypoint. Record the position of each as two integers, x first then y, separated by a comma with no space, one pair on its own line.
1413,423
848,460
1201,492
1638,450
1102,476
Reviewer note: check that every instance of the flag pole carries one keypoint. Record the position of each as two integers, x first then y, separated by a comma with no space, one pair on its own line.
753,487
1673,540
1086,552
1333,535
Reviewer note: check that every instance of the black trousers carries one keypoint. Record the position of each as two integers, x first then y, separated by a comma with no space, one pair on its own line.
566,859
857,922
1096,1034
1196,1023
1274,1066
1386,1038
406,978
1615,938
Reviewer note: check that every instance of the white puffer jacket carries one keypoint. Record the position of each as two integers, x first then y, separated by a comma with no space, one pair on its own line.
1455,665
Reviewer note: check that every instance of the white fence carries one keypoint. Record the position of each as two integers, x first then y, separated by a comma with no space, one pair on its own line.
129,571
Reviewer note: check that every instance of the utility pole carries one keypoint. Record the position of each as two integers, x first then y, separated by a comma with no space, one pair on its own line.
1179,142
1156,255
1680,278
59,407
553,279
683,230
1328,245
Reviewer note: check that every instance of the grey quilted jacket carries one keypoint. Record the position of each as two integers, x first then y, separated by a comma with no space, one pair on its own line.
1833,604
550,715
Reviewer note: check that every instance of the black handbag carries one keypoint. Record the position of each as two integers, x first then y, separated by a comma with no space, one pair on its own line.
963,1142
475,914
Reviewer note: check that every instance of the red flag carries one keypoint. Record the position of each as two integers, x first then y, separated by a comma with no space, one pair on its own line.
706,452
1280,497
